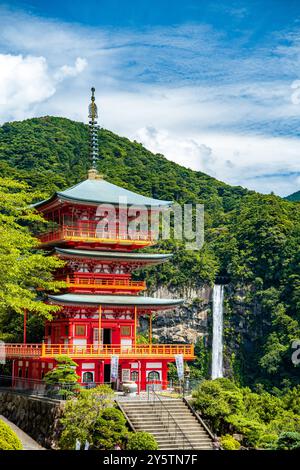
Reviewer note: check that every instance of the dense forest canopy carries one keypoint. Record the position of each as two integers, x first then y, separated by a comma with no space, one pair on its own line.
294,197
250,238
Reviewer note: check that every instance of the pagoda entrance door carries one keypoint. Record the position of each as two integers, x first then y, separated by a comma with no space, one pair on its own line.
106,335
106,373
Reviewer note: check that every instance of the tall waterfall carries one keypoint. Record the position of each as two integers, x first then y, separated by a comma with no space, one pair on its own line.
217,342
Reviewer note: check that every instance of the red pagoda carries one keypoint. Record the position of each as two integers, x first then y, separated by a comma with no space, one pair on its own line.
100,309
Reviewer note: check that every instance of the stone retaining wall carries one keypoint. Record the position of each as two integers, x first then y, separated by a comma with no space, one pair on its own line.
36,416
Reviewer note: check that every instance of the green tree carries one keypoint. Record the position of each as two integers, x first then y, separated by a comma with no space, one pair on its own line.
109,430
63,375
81,414
288,441
141,441
23,270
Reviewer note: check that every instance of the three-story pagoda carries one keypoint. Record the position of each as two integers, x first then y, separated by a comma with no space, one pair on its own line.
99,311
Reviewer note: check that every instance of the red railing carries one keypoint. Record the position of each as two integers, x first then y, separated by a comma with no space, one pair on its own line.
83,281
91,232
95,351
23,350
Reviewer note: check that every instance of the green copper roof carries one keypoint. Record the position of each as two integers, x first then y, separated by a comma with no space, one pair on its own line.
120,300
98,191
148,257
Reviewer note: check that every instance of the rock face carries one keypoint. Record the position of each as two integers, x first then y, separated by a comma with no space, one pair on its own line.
186,323
38,417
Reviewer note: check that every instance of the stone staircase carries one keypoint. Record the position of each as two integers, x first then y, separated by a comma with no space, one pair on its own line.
163,422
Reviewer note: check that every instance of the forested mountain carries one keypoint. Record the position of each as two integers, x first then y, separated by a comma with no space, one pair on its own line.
294,197
251,239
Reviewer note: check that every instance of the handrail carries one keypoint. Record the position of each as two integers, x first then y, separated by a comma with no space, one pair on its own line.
197,415
98,282
91,231
131,426
176,426
93,350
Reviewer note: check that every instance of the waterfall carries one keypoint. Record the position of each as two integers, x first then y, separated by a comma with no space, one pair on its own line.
217,342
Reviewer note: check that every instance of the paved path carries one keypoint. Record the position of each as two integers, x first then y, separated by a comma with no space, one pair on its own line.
27,441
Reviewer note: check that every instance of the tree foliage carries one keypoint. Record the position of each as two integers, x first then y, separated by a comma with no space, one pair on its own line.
259,417
8,438
24,271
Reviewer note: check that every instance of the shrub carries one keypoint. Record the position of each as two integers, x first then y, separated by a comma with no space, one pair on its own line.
217,399
259,416
8,438
229,443
267,441
81,413
288,441
141,441
109,430
251,429
65,374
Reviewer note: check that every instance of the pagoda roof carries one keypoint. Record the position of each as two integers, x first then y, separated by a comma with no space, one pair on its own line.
115,300
151,258
99,191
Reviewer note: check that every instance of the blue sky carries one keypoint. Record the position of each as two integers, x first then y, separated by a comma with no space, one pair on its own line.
213,85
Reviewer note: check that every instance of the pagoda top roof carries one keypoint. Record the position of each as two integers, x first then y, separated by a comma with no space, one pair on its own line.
115,300
98,191
114,255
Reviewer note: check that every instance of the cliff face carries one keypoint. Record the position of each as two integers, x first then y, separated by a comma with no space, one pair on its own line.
186,323
194,320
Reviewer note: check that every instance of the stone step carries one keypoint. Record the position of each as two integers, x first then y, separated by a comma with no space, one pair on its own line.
190,419
181,415
146,417
158,410
161,440
162,426
175,447
192,435
152,429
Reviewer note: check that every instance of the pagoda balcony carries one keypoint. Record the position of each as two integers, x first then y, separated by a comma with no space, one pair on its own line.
94,283
50,351
74,234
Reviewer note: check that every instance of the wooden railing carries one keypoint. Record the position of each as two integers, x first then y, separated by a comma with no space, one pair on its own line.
91,233
105,284
93,351
23,350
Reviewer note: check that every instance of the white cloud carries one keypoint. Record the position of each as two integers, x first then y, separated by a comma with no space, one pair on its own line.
71,71
256,162
185,151
183,91
24,81
27,81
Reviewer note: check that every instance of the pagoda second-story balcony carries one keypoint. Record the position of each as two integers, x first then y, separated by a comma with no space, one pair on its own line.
51,351
89,234
99,283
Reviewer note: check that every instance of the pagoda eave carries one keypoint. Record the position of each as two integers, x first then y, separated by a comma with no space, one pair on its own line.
113,256
148,303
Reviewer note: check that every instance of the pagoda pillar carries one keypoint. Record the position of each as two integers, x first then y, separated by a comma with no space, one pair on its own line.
150,332
25,327
99,327
135,324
